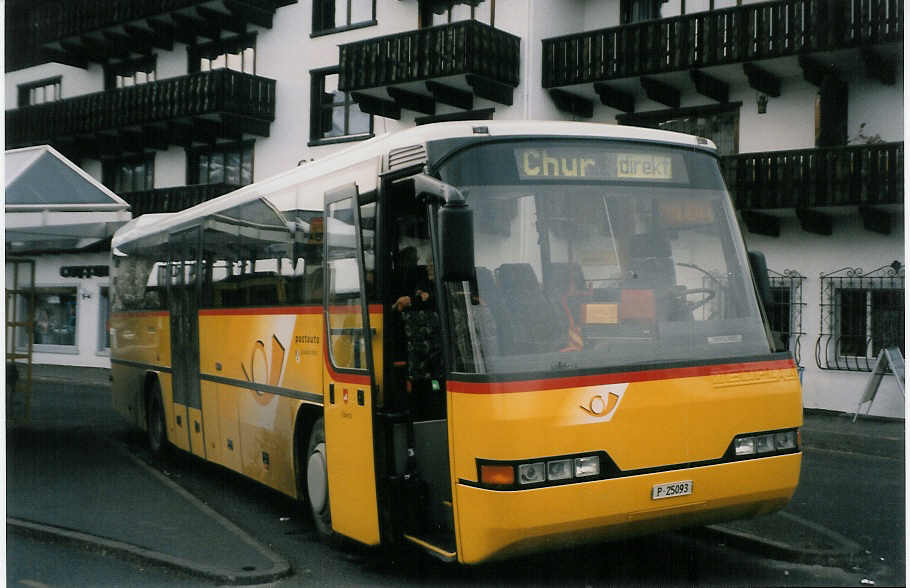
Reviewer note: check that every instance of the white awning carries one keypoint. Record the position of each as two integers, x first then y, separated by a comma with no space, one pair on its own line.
51,204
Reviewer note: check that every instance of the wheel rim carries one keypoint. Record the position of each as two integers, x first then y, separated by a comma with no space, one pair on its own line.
316,479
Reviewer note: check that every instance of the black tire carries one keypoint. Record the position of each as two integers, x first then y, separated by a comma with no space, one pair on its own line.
156,427
317,481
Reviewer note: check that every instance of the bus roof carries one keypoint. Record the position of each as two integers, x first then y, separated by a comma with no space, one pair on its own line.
382,145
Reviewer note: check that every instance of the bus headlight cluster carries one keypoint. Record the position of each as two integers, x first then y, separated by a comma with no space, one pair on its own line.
766,443
558,469
537,473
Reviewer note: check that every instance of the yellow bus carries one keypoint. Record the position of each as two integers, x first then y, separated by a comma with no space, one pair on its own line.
479,338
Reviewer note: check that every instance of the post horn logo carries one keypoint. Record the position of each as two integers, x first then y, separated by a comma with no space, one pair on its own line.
261,372
603,405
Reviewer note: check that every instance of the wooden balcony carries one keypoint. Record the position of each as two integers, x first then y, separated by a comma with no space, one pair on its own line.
202,107
97,30
450,63
870,177
737,35
174,199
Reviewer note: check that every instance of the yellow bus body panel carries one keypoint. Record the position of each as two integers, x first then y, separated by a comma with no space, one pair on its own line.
278,348
657,423
500,524
142,338
349,438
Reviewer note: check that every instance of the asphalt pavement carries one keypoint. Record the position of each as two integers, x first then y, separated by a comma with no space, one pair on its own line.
69,479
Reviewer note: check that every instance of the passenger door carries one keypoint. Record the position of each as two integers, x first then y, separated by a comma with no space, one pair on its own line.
183,303
349,379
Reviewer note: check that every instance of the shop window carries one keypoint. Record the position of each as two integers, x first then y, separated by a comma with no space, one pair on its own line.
862,313
230,164
130,174
337,15
335,116
785,312
130,73
40,92
104,317
236,53
54,315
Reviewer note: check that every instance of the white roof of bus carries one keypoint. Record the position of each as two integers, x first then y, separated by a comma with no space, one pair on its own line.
382,144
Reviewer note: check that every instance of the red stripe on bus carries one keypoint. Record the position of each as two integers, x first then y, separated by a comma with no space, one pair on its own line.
616,378
260,311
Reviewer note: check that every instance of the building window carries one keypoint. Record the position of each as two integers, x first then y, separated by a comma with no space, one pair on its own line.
785,312
236,53
335,116
337,15
230,164
717,123
54,315
130,73
632,11
40,92
133,174
862,313
443,12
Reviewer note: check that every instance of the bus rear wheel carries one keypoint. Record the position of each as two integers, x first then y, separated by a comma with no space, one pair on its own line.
317,480
156,428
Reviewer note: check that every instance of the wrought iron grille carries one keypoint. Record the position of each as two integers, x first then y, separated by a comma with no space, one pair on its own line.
785,312
861,313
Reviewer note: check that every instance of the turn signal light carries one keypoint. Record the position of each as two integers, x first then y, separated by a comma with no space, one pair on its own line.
497,475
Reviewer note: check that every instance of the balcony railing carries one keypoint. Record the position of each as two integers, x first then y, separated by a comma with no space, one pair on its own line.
219,92
84,16
834,176
732,35
173,199
467,47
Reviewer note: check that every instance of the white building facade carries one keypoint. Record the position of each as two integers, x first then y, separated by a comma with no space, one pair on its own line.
177,102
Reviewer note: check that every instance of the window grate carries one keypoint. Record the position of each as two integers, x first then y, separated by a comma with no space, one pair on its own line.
785,312
861,313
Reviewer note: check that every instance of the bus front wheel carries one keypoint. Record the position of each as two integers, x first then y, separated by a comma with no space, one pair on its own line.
317,480
156,428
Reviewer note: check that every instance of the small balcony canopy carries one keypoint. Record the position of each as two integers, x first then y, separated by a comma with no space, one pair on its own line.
53,205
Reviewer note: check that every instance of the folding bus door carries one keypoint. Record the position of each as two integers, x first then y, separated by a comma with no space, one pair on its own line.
183,303
350,378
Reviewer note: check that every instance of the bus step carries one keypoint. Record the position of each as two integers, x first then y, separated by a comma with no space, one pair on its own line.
441,546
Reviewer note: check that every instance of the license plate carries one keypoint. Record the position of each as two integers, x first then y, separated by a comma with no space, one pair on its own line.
671,490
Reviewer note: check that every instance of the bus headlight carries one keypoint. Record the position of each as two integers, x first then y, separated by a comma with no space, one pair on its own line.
744,445
531,473
560,469
587,466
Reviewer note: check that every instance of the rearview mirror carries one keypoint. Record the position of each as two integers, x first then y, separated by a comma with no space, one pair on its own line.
760,273
456,228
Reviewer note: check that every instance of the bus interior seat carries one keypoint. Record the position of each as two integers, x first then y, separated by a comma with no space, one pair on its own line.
651,261
532,324
491,308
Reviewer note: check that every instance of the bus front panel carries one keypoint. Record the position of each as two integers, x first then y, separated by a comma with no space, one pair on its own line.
663,445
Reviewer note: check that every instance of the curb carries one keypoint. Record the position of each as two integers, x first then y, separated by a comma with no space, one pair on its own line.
136,553
785,551
280,566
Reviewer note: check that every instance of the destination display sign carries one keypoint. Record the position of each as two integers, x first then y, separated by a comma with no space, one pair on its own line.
586,163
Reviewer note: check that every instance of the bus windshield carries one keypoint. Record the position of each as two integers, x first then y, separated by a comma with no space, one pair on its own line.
598,254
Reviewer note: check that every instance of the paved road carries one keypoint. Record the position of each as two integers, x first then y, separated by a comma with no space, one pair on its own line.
856,495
